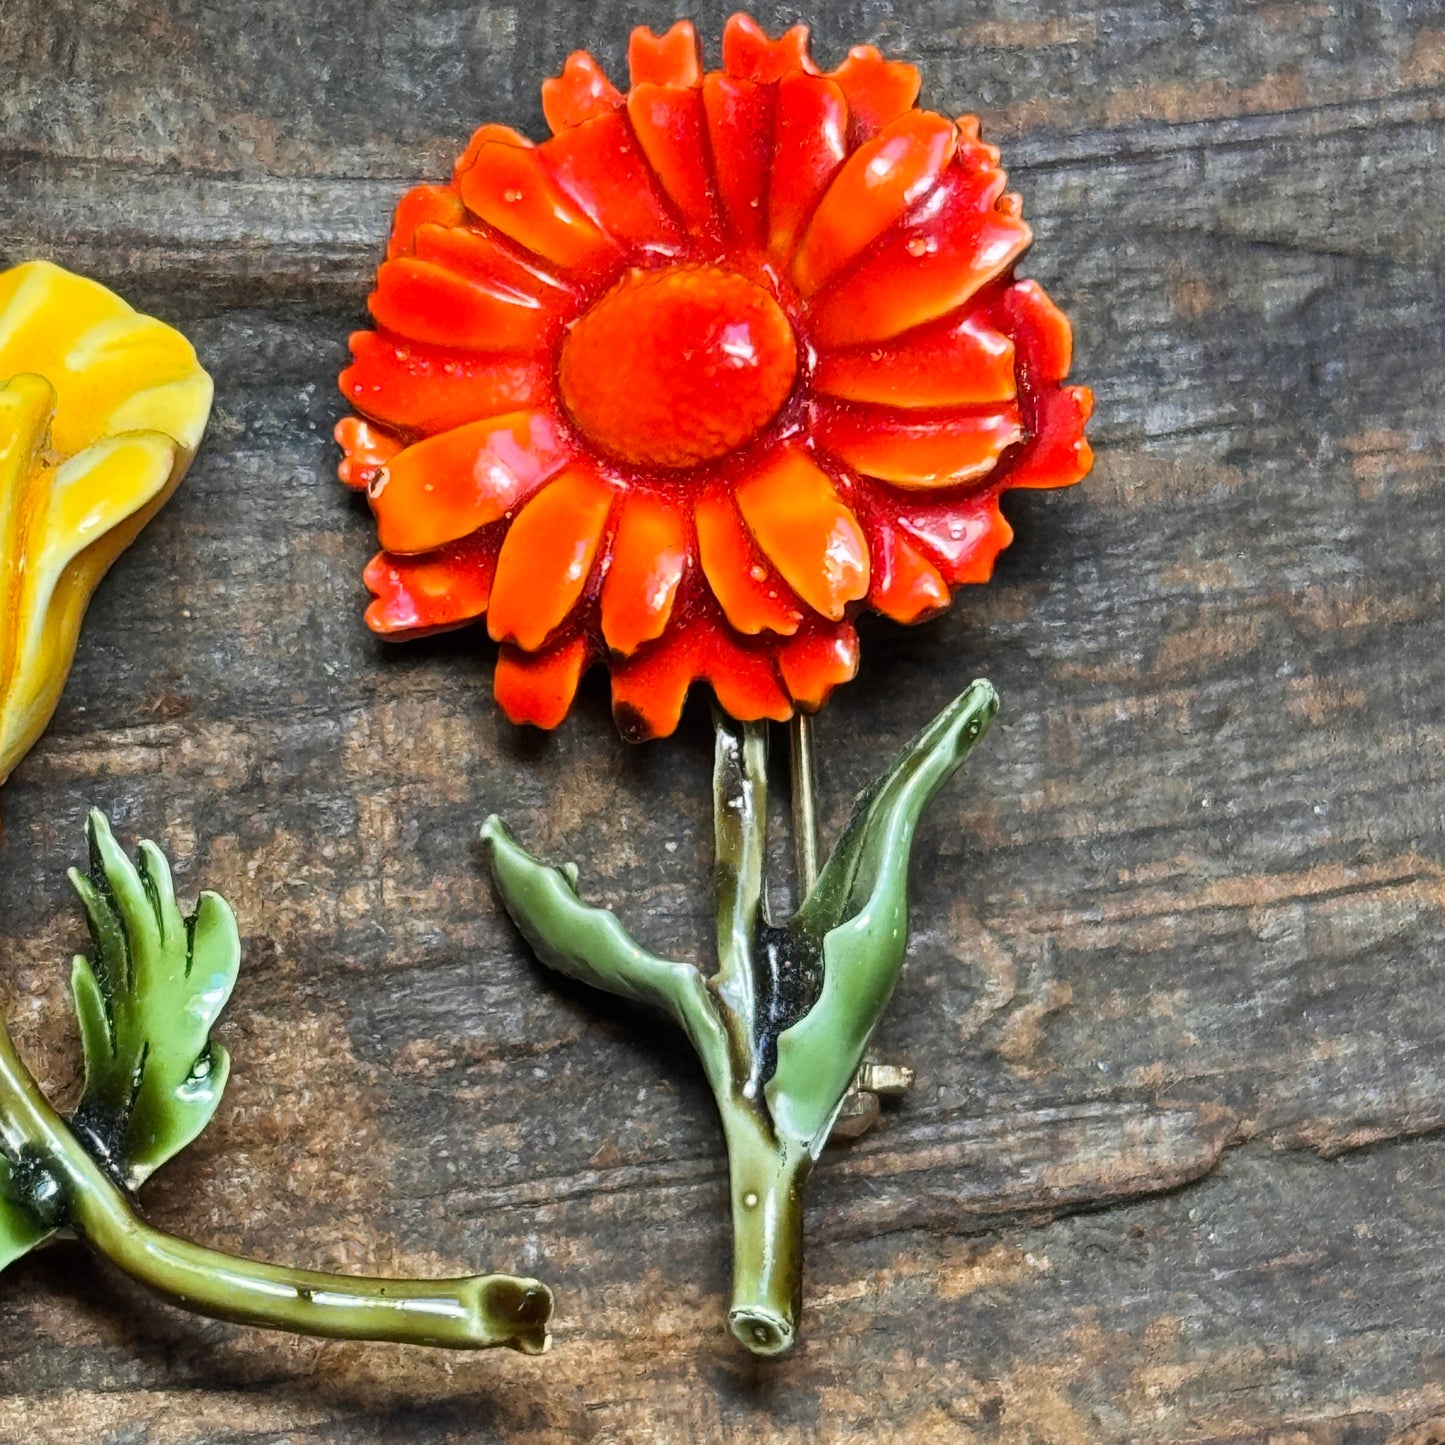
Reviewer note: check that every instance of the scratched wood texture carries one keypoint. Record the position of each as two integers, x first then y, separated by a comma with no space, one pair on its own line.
1174,1169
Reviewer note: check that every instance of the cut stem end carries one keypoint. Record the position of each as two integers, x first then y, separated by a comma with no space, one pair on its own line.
762,1331
514,1313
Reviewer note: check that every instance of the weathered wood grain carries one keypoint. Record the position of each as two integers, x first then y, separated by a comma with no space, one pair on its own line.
1174,1169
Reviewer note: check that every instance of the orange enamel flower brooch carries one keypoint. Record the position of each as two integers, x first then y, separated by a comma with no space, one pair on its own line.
728,358
683,389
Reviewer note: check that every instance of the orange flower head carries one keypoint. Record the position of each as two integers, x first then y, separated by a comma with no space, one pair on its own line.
684,388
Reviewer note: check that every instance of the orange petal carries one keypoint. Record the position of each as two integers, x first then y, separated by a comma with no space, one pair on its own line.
1059,454
649,557
937,452
485,135
547,558
599,167
745,680
671,127
959,361
906,586
740,132
423,205
952,245
746,589
1045,339
815,663
428,302
793,509
538,688
648,690
439,590
447,486
963,539
810,142
579,94
877,185
878,91
428,389
672,58
368,448
748,54
485,258
514,190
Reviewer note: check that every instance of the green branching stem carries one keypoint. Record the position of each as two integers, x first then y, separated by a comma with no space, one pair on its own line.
469,1313
145,1002
782,1025
590,944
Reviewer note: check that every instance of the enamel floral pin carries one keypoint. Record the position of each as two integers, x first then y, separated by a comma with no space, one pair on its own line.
728,359
101,411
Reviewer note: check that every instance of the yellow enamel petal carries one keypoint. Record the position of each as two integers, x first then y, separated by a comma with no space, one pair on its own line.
98,503
178,409
96,494
26,406
101,356
100,416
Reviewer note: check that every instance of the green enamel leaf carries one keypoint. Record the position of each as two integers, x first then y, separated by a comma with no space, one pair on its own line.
858,910
590,944
20,1231
145,1002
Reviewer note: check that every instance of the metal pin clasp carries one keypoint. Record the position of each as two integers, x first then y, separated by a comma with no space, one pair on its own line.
874,1082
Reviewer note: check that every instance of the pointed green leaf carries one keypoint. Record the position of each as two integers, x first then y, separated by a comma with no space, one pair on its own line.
858,913
590,944
91,1013
145,1002
20,1231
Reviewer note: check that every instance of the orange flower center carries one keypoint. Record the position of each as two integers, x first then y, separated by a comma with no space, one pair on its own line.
678,366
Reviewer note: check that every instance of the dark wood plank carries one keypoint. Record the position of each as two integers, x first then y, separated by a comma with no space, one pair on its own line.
1173,1169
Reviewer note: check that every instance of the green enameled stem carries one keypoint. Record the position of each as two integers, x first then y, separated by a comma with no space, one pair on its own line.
463,1314
783,1024
766,1172
766,1180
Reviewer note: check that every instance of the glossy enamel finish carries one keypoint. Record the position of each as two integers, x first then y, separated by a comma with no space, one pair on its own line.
145,1000
101,410
677,366
781,1026
762,320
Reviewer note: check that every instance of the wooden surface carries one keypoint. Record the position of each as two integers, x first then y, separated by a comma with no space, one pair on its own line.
1175,1166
